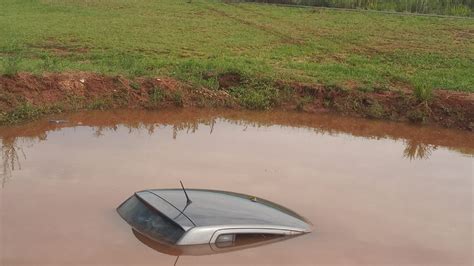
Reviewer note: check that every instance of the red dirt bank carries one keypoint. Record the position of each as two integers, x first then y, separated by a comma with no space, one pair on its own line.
75,91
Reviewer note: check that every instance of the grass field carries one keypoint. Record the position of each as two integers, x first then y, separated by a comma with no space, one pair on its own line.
440,7
189,40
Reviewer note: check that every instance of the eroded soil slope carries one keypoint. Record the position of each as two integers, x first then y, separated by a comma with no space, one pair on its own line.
26,96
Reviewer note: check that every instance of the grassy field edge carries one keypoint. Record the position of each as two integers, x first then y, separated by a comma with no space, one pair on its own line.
187,40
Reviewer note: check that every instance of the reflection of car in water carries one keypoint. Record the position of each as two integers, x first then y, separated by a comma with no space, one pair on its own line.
241,242
222,219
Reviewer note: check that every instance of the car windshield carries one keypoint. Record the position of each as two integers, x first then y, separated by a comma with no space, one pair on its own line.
149,221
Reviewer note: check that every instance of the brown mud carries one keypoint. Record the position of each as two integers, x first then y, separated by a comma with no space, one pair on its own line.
27,96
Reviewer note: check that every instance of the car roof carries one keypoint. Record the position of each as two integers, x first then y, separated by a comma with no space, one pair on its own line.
220,208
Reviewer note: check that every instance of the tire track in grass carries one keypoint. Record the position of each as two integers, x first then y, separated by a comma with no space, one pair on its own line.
286,38
308,32
366,48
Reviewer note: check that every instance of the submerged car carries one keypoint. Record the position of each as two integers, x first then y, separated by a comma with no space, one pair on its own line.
199,216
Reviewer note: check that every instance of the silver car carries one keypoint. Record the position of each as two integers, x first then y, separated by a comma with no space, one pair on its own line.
198,216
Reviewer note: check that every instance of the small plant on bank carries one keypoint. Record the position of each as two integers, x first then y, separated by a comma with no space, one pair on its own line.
99,104
23,112
257,95
135,85
375,110
75,102
156,95
255,99
423,93
177,98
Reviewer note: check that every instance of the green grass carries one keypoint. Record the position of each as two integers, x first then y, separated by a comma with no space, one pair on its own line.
423,93
157,95
257,95
188,40
177,98
23,112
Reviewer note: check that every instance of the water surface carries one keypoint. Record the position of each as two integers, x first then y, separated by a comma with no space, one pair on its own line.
377,193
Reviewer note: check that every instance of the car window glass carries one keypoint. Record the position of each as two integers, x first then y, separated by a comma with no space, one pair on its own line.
150,221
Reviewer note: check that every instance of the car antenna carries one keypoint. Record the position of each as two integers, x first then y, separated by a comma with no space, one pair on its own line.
188,201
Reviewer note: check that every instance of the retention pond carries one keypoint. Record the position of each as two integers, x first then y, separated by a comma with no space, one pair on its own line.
377,192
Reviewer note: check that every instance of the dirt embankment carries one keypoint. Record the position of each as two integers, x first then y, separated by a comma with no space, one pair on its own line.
27,96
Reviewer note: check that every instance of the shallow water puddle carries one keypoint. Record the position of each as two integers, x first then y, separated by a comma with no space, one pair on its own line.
377,193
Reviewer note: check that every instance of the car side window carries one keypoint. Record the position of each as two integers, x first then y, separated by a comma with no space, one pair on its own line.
242,239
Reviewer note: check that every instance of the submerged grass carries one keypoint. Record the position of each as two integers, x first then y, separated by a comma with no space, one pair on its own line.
195,42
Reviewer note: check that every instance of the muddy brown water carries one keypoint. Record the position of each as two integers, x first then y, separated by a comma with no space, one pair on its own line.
377,193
